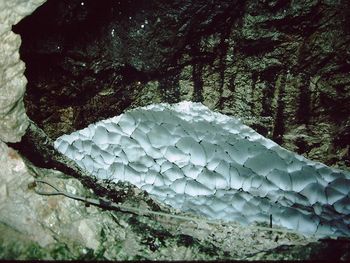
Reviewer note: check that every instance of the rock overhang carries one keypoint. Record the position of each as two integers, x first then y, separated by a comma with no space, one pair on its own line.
13,118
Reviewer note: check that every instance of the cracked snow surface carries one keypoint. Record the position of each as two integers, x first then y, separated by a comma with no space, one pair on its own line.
211,164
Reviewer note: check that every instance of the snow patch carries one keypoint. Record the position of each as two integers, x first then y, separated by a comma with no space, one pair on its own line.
205,162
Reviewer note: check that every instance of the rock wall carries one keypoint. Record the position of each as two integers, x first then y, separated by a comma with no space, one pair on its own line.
283,66
291,63
13,120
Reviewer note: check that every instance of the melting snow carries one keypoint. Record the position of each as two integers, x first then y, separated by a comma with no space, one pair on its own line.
205,162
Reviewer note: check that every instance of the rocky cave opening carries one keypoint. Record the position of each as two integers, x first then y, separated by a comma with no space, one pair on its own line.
281,66
86,61
282,72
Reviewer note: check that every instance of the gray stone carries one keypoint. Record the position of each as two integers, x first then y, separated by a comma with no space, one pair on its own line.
13,119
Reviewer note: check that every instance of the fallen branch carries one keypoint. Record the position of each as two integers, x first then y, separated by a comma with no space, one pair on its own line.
107,204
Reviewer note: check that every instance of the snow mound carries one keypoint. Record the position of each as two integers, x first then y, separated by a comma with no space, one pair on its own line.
208,163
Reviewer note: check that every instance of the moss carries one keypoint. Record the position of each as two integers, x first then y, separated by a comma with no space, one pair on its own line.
61,251
14,245
17,246
21,250
209,249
